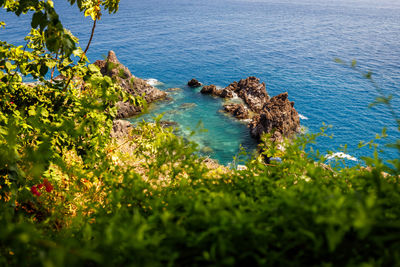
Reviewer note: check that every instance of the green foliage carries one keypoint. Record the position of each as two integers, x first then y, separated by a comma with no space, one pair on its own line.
70,197
40,121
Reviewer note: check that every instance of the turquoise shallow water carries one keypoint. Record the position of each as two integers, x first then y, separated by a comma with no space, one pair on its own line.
288,44
218,135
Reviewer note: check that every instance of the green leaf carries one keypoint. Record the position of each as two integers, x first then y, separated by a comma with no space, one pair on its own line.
44,112
43,70
38,18
50,64
9,66
32,111
93,68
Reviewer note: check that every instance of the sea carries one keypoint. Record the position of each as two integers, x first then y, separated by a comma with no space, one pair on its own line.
289,45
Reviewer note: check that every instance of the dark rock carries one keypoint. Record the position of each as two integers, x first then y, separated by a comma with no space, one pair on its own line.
194,83
226,93
121,128
210,90
131,84
126,110
251,91
277,117
237,110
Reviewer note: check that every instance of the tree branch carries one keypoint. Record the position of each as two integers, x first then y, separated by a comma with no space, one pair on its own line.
90,40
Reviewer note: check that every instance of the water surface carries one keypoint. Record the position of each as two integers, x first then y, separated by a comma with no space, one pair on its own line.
288,44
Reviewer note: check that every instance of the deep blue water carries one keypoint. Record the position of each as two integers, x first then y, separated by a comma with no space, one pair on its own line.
288,44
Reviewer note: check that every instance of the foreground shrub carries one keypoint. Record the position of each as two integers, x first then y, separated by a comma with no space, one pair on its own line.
72,196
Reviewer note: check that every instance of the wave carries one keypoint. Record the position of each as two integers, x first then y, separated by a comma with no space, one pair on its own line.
340,155
302,117
235,96
153,82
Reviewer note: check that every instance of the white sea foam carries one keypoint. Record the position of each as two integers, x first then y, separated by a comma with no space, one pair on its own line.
153,82
302,117
340,155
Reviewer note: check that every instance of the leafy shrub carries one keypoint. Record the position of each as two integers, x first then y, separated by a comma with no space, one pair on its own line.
72,196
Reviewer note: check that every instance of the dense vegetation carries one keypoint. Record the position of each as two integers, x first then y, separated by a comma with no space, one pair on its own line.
71,195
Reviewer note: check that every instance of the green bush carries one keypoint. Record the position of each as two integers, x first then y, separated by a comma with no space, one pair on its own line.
67,199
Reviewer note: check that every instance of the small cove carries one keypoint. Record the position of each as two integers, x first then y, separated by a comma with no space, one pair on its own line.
218,135
289,45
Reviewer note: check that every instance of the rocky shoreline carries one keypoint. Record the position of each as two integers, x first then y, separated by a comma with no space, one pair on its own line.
275,115
246,100
131,84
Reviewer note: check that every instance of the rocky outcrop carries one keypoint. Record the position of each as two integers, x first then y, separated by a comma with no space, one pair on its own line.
278,117
210,90
131,84
121,128
239,111
251,91
194,83
226,93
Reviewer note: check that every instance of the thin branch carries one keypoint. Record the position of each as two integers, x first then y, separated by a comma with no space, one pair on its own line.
66,85
90,40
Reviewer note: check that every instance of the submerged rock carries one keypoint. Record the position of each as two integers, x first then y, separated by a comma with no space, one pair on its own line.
173,89
187,105
131,84
278,116
166,124
168,99
239,111
194,83
206,150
